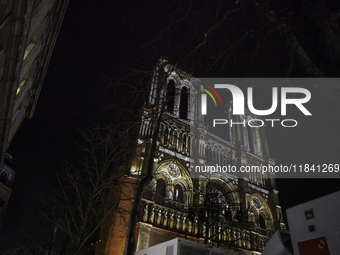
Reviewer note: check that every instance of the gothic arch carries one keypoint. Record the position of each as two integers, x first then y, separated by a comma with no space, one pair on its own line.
263,210
164,176
177,80
179,85
186,83
252,137
178,193
180,182
170,95
184,103
166,135
207,153
184,177
228,187
252,214
160,191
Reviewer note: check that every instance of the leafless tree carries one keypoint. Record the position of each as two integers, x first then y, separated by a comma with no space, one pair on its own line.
82,205
258,38
236,38
156,116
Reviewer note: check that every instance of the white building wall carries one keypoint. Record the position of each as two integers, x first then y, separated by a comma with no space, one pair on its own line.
315,219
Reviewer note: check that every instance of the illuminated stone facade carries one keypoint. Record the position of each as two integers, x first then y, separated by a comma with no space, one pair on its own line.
227,211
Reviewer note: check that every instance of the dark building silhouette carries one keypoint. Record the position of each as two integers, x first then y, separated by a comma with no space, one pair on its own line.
28,31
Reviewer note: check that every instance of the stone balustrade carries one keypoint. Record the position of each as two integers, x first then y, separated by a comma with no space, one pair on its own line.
174,216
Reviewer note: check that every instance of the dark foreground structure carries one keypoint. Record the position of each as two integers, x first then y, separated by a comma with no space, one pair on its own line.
28,31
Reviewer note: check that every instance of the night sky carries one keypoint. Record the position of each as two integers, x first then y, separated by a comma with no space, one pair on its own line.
96,37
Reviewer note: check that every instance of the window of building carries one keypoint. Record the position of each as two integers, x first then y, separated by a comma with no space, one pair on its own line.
225,160
207,155
174,140
188,146
216,193
183,107
160,191
166,136
184,144
178,193
214,158
250,139
262,222
253,139
170,96
218,201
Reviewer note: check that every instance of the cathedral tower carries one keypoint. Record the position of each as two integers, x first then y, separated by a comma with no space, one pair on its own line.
235,212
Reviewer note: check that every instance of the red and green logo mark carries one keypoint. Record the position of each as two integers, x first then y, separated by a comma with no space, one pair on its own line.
204,97
209,93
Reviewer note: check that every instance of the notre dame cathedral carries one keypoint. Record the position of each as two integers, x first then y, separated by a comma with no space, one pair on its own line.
223,210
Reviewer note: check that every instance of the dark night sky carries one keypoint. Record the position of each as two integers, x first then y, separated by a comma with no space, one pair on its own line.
92,40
